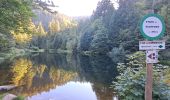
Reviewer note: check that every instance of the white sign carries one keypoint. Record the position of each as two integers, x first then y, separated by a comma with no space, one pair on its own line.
151,45
152,26
152,56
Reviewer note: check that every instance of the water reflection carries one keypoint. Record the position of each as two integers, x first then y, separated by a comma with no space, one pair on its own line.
98,69
61,77
82,91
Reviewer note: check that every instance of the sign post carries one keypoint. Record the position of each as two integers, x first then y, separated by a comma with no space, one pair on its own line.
152,27
149,82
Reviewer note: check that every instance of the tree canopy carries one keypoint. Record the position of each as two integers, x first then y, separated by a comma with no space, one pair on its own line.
14,14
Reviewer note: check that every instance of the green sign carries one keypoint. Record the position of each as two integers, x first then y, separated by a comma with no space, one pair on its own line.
152,27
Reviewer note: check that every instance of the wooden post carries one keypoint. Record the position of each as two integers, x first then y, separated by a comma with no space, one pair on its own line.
149,81
149,77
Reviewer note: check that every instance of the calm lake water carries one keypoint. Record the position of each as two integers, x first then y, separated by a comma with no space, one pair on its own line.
60,77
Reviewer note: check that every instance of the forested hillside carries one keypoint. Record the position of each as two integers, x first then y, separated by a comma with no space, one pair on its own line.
28,26
109,30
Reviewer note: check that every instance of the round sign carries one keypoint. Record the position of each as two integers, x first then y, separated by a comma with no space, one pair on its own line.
152,26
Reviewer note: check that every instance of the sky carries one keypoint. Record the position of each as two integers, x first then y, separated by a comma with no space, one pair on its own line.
76,7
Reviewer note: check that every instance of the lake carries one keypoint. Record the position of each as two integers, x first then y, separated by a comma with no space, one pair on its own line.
60,77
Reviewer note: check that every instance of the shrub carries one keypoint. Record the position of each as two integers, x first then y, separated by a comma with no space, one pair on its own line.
130,84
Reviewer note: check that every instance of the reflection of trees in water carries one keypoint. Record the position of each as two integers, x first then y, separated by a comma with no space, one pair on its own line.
103,92
32,79
66,62
22,69
5,76
99,70
43,72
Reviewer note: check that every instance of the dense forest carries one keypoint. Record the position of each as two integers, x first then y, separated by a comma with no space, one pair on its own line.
31,26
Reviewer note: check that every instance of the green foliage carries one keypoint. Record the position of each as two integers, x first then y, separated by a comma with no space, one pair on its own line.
61,34
130,83
85,40
14,14
4,43
14,23
100,42
95,37
47,6
124,25
120,26
107,29
104,11
128,40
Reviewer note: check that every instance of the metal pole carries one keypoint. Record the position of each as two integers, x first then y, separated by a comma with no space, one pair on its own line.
149,81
